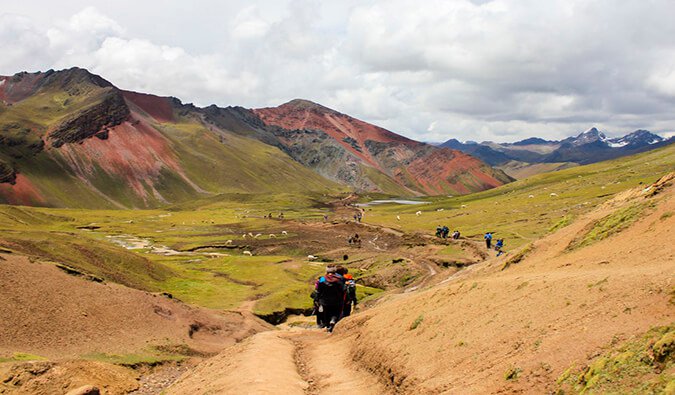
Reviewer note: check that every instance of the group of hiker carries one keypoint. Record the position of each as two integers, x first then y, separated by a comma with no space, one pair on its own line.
354,240
444,231
334,294
498,245
358,217
280,216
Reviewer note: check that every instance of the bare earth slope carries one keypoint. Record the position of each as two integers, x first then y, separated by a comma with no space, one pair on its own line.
54,314
558,307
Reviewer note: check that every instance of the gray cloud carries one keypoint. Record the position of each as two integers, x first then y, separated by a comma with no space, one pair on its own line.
480,70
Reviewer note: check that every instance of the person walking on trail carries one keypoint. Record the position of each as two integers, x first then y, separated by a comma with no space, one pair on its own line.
488,239
331,295
498,246
318,310
439,231
445,232
350,291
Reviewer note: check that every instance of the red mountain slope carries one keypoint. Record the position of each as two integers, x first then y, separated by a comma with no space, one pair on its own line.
415,166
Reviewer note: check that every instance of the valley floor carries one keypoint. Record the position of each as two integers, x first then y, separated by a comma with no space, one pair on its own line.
589,307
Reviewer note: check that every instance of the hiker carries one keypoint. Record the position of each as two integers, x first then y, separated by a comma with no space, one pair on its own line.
455,235
439,231
357,240
318,310
498,246
446,230
350,290
488,239
331,295
325,218
358,217
281,216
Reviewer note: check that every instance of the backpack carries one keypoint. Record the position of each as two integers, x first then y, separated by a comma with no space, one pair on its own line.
331,291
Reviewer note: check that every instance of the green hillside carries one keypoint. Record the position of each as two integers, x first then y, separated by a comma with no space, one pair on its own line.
525,210
74,141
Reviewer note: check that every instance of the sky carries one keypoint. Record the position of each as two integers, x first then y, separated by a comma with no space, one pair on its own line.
500,70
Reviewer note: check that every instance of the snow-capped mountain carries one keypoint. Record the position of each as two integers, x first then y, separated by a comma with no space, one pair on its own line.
587,147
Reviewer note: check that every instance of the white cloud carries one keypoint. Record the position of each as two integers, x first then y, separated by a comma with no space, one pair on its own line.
480,70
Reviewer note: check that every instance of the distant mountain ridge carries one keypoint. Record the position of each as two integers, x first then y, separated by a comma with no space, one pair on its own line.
587,147
70,138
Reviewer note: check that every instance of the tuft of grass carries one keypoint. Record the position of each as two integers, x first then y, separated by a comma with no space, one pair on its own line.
512,373
134,360
519,256
640,366
22,357
417,322
564,221
666,215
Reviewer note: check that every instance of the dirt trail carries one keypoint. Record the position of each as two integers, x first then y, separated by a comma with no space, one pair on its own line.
295,361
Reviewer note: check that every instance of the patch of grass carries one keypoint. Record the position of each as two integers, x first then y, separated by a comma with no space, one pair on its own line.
417,322
22,357
564,221
641,366
522,285
608,226
512,373
666,215
134,360
519,256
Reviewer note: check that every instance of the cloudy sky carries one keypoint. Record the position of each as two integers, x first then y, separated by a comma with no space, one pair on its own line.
432,70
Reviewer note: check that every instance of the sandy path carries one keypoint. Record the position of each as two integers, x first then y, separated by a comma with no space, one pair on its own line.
324,362
294,361
262,364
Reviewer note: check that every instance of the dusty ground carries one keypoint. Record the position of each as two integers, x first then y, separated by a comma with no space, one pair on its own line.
62,317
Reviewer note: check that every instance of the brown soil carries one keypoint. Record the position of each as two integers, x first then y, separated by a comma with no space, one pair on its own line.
54,315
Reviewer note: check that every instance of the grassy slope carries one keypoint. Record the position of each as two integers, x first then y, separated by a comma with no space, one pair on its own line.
520,170
512,214
233,163
209,161
221,282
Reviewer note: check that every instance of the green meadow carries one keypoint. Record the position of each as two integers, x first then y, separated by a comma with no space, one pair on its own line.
525,210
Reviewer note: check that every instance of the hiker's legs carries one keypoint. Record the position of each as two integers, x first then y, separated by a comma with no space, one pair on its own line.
347,310
332,315
320,320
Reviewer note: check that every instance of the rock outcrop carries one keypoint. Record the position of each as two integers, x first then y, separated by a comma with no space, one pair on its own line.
110,111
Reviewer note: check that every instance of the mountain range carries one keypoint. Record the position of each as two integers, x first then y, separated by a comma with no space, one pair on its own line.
70,138
588,147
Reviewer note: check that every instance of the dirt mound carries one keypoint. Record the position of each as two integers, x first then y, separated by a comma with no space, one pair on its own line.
52,314
520,329
47,378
